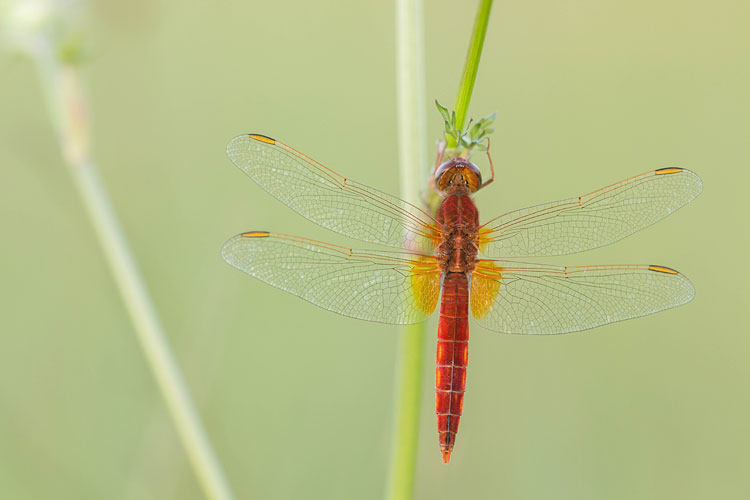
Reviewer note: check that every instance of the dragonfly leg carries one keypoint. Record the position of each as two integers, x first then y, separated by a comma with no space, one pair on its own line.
492,168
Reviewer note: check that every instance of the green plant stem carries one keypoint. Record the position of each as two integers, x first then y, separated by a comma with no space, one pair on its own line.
406,416
412,126
466,87
413,166
67,107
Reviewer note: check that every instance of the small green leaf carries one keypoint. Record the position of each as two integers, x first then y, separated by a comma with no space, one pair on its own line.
443,111
474,136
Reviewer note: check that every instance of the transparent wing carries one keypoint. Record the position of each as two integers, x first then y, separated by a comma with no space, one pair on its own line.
388,287
514,297
592,220
328,199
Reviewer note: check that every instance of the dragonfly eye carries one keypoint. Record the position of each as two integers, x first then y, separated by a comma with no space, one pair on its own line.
458,174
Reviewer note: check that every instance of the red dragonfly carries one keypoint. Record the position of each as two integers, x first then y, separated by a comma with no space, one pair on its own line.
437,257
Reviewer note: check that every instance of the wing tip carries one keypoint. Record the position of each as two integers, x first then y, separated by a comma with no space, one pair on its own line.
689,288
229,247
679,170
226,250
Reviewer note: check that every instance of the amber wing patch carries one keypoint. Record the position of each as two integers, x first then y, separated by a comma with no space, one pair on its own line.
485,285
425,283
484,238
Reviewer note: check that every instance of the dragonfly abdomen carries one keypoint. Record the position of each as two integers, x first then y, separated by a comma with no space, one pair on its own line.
452,358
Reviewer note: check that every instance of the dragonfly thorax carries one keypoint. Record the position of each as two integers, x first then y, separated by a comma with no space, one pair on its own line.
458,176
459,220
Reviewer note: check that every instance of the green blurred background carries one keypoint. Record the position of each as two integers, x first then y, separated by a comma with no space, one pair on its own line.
298,401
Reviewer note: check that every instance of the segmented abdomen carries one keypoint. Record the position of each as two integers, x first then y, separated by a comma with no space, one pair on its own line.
452,358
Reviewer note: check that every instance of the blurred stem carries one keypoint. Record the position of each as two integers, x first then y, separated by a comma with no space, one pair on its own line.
68,109
466,87
406,421
412,138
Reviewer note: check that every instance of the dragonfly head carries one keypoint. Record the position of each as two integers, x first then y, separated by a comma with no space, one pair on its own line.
458,176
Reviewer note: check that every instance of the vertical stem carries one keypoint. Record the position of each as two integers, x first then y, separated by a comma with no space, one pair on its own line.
413,167
68,109
410,96
466,87
406,413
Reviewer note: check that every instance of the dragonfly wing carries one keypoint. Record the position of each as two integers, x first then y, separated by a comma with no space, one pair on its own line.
387,287
513,297
592,220
328,199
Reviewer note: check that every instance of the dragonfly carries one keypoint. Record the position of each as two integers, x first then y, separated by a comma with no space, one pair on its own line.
451,258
